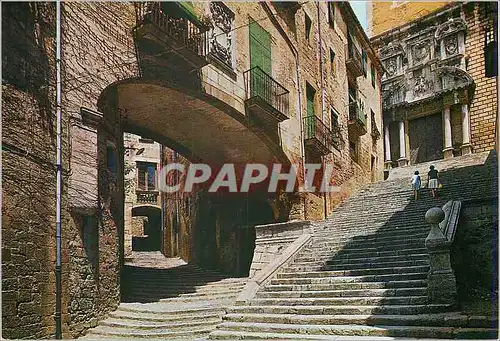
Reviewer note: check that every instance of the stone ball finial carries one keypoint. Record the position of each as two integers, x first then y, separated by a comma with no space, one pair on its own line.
434,215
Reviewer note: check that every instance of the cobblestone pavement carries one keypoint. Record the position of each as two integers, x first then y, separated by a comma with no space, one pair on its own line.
153,259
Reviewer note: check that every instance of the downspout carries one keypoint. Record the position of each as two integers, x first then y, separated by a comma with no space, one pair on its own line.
59,174
323,113
295,53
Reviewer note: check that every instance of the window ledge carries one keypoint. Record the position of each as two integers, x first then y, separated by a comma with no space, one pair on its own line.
221,66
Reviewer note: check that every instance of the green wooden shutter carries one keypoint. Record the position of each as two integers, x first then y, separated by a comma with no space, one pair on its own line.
260,47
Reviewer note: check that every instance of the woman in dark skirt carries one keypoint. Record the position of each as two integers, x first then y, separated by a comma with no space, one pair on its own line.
433,177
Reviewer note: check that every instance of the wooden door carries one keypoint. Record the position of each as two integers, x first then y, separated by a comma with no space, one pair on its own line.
426,138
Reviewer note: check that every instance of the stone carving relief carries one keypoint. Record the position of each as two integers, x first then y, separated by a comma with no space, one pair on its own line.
422,86
451,45
420,52
393,93
221,38
454,78
424,63
453,25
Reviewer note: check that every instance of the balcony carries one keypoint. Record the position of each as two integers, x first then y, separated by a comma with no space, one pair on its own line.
353,60
147,197
167,39
357,120
317,137
266,99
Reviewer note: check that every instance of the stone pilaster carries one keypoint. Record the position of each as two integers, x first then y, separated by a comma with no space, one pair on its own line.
402,161
448,148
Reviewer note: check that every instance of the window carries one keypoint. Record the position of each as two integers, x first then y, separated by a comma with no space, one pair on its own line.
333,62
308,27
373,72
146,178
335,127
221,42
310,93
363,59
490,52
331,14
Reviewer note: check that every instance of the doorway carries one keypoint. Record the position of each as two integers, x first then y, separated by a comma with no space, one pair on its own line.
426,138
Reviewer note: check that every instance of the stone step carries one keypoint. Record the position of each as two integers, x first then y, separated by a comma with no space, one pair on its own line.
171,326
350,279
165,318
341,309
370,245
141,297
179,310
453,319
347,330
106,332
340,301
311,255
380,259
359,272
329,267
344,293
394,230
422,283
421,233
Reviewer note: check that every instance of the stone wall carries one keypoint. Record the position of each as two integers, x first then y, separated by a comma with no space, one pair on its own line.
272,240
97,51
385,15
483,108
28,172
475,251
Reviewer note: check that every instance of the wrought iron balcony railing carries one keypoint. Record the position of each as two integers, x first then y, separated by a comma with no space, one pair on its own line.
177,28
356,113
317,133
354,60
147,197
258,84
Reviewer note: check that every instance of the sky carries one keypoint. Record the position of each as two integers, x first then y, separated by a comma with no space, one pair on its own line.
359,7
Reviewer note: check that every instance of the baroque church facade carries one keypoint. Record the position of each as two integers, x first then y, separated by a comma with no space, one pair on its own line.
438,88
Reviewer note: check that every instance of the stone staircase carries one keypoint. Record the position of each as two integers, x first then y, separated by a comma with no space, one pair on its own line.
365,272
168,301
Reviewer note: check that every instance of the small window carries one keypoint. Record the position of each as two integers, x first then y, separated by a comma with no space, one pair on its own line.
335,127
310,93
373,72
333,62
146,178
308,27
331,14
363,59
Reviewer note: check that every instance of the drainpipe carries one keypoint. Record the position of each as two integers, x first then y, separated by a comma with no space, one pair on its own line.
323,113
59,173
295,53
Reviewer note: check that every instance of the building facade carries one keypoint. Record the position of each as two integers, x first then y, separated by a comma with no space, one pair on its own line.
213,82
439,87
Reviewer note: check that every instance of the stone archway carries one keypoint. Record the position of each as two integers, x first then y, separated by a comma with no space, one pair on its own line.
146,231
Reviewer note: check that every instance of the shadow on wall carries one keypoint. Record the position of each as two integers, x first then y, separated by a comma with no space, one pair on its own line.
225,231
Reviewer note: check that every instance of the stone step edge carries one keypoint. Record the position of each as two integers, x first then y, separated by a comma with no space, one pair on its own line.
446,319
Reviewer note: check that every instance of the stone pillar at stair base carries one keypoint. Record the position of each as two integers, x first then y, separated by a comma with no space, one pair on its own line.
441,283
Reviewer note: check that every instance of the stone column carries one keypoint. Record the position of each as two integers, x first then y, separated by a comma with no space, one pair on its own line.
387,142
466,147
402,161
448,148
441,283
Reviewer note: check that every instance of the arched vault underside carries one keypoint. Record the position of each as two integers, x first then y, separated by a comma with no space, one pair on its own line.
197,125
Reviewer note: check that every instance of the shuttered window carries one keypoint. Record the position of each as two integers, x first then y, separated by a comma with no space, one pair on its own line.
260,47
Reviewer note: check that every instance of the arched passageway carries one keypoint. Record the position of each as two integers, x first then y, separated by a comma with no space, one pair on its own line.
146,228
210,230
